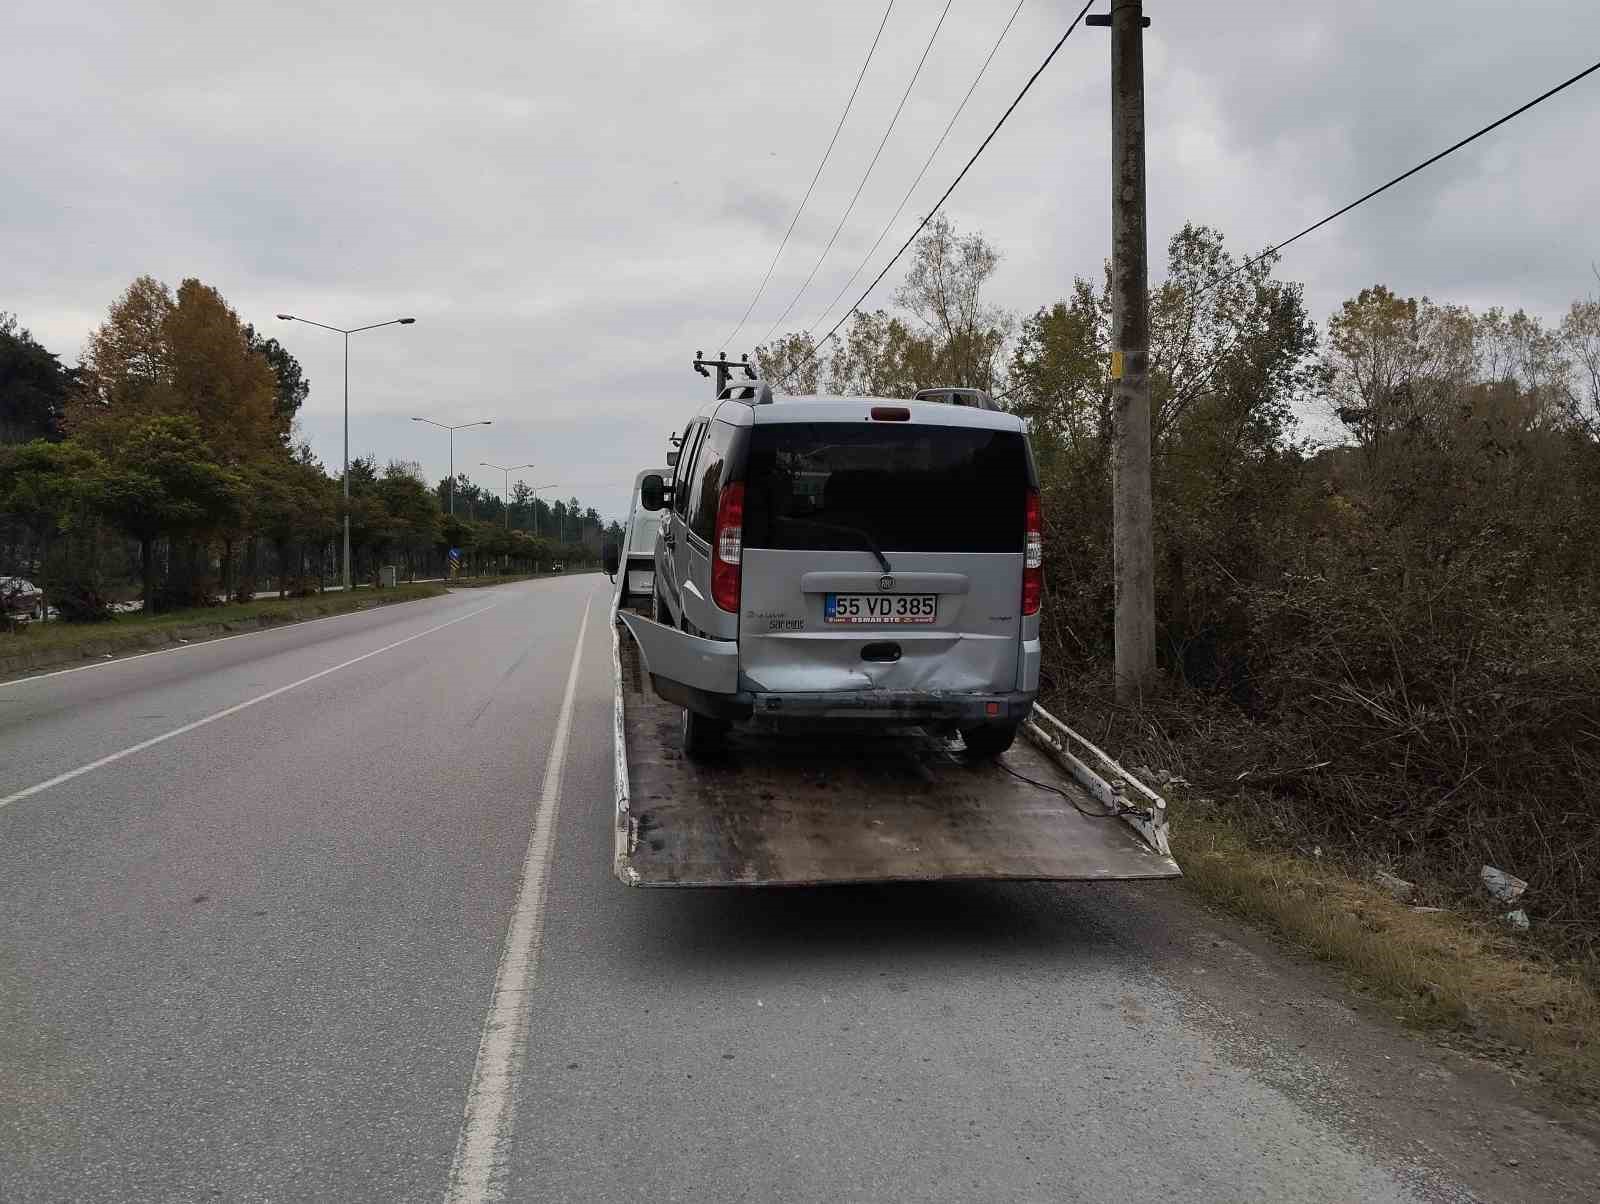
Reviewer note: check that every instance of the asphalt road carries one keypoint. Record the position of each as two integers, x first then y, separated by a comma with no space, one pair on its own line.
253,895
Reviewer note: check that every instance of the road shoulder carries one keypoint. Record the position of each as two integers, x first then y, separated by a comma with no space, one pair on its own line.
1301,1026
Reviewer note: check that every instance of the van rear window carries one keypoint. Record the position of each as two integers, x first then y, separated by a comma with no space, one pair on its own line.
912,488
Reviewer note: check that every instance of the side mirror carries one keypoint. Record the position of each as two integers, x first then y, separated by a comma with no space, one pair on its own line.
672,459
609,557
653,492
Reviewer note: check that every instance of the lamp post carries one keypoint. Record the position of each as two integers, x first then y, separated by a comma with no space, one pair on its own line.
460,426
505,497
536,491
346,333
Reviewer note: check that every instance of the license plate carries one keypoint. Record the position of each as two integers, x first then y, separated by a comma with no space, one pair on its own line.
879,608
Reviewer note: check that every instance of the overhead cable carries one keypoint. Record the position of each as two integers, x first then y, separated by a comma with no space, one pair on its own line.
815,176
904,96
861,300
927,163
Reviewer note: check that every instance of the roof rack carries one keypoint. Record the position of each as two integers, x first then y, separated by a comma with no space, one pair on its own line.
977,399
756,392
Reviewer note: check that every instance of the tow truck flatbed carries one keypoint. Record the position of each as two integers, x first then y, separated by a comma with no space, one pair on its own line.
801,807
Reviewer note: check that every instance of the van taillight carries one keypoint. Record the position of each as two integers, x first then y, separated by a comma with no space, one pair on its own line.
1033,556
728,548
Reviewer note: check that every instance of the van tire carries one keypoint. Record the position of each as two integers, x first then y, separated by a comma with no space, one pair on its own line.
987,743
702,735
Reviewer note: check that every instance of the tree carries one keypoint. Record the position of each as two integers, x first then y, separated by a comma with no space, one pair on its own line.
34,386
292,386
126,363
162,480
216,376
290,501
1059,380
1580,335
790,364
1231,351
883,357
157,354
411,513
944,291
48,494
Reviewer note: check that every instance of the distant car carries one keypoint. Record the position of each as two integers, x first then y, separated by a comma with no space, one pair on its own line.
19,596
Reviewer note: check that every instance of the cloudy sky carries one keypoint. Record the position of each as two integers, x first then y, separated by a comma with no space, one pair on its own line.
573,198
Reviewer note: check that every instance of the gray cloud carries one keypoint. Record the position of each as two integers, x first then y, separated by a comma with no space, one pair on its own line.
573,198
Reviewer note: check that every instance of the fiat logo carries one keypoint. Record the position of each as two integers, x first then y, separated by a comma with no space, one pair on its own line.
886,582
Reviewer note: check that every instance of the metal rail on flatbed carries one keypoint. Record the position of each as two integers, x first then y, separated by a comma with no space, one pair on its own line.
798,806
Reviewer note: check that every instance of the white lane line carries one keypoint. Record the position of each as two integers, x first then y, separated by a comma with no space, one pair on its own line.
201,643
223,714
478,1172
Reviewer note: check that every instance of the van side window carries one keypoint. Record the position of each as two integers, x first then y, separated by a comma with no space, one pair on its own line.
706,483
681,482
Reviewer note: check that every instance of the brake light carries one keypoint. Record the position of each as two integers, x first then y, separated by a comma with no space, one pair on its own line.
1033,556
728,548
891,414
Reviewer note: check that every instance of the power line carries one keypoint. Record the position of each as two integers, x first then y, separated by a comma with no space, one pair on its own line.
927,163
814,178
1054,50
1517,112
906,95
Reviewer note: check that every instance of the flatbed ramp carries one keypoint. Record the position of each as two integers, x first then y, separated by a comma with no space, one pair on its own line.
796,809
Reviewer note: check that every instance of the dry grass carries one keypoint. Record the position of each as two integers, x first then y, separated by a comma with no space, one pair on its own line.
1443,970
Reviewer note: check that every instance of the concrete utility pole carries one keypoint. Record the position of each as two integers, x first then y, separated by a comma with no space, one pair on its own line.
724,366
1133,543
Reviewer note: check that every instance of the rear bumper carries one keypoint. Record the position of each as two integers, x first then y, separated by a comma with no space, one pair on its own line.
894,706
703,675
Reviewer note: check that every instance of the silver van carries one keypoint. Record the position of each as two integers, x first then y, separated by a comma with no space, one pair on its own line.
847,558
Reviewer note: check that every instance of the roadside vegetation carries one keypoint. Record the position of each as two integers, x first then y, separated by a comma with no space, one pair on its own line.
46,644
1377,646
164,467
1440,967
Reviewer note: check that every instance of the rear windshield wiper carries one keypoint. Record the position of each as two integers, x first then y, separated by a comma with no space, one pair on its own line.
864,536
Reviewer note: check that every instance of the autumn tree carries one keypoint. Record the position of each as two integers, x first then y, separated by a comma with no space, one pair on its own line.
186,354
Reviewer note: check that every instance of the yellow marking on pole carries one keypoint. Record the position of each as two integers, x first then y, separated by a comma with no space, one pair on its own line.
1116,365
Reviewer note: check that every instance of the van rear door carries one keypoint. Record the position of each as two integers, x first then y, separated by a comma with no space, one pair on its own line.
883,555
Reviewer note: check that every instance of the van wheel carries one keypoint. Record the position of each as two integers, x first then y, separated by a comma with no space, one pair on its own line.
987,743
702,735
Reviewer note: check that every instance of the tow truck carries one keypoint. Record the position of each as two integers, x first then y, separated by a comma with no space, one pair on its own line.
787,801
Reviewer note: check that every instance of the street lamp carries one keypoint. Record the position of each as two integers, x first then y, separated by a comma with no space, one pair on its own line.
536,491
460,426
505,498
347,334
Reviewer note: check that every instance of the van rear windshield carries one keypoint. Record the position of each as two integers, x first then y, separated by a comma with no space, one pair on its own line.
906,488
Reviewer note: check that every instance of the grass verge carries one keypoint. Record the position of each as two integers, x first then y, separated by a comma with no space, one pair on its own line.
1460,975
41,645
